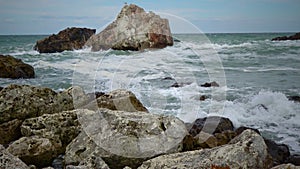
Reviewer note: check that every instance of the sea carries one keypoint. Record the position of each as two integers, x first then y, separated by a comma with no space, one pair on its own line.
255,76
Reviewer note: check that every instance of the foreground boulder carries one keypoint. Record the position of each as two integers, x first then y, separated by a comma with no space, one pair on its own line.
134,29
68,39
11,67
45,137
8,161
19,102
123,138
293,37
247,150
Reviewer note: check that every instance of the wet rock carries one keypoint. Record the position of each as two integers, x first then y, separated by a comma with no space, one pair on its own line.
247,150
131,137
293,37
211,124
211,84
58,162
68,39
9,161
243,128
176,84
11,67
120,100
133,29
286,166
279,152
294,98
203,97
293,159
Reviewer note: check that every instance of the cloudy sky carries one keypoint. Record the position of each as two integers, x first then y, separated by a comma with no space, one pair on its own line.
51,16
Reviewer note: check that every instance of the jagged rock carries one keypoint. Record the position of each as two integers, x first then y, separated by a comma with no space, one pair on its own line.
133,29
68,39
10,131
19,102
47,136
8,161
247,150
286,166
293,37
211,125
125,138
294,98
241,129
211,84
11,67
293,159
120,100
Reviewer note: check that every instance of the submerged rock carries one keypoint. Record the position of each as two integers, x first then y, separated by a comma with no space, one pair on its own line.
293,37
9,161
247,150
211,84
68,39
133,29
11,67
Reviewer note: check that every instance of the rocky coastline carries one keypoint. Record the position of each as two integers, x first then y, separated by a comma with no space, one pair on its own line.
42,128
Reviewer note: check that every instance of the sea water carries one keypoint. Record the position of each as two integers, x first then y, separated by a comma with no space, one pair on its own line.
255,75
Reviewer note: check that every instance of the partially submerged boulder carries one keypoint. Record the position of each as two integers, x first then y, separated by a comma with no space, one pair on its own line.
67,39
293,37
11,67
133,29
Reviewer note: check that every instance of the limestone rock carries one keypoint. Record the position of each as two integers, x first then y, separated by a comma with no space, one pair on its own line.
35,150
10,131
286,166
24,101
68,39
11,67
133,29
293,37
211,125
120,99
247,150
123,138
8,161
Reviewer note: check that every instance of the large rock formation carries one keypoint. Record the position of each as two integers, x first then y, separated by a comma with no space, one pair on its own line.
19,102
293,37
247,150
123,138
68,39
11,67
134,29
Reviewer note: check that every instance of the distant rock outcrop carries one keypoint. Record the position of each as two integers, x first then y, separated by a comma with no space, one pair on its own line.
134,29
11,67
293,37
68,39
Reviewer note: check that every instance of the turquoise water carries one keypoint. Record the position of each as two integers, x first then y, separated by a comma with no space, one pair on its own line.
255,71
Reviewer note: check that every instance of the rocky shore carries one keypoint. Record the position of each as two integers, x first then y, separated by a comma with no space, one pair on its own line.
42,128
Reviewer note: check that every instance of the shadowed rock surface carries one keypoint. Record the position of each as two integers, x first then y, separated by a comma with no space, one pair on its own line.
133,29
68,39
11,67
293,37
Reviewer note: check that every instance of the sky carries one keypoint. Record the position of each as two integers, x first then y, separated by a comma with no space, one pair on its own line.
185,16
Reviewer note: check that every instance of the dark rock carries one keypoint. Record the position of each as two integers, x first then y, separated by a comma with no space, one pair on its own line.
294,98
211,84
293,37
211,124
68,39
293,159
133,29
203,97
10,131
58,162
11,67
176,84
168,78
243,128
1,88
279,152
